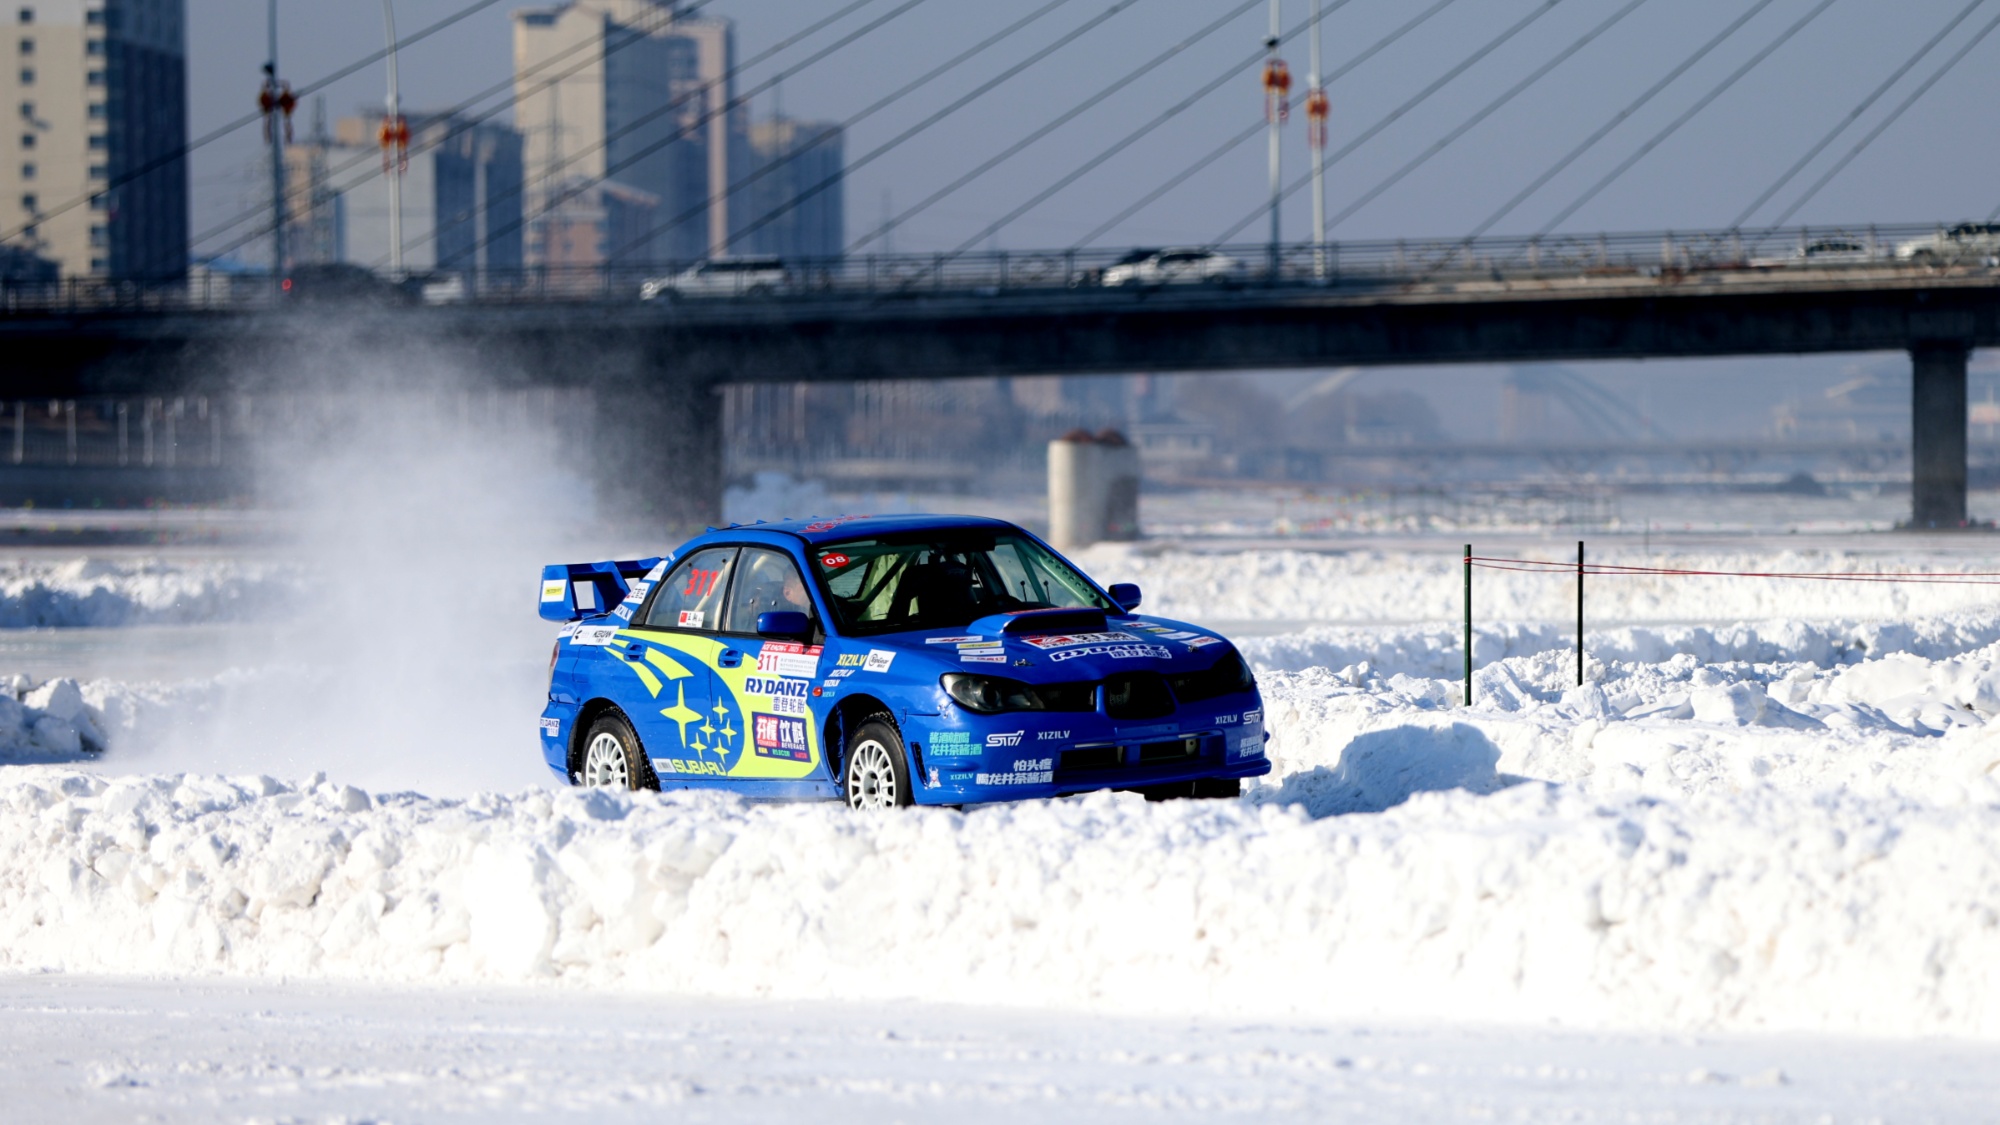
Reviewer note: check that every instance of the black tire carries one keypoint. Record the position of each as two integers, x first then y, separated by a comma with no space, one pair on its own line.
875,770
619,763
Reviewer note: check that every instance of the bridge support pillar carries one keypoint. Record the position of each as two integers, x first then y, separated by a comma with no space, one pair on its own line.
658,455
1938,435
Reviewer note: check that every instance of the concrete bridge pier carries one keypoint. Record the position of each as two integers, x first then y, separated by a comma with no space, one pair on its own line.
1938,434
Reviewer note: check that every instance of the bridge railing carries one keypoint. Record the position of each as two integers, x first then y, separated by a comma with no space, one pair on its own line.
1348,264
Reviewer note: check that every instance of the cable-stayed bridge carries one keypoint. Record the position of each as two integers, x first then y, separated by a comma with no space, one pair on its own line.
1753,287
1933,292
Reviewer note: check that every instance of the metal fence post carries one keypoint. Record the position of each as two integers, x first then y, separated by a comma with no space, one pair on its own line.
1468,624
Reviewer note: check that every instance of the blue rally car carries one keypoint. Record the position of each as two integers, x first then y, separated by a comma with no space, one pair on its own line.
935,660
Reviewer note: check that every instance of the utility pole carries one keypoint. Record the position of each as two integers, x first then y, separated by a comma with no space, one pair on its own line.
395,150
274,92
1277,107
1318,108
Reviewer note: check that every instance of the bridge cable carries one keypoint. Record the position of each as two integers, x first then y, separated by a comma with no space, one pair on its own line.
878,105
1115,86
180,152
1396,114
1883,125
880,150
1855,114
1486,111
1617,119
1673,126
564,196
1257,127
666,19
512,82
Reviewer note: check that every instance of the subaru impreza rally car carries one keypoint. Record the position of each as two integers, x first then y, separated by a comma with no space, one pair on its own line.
887,661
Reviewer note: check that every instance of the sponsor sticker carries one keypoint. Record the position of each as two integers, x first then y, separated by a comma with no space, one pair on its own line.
788,697
1250,747
952,640
1007,738
692,618
568,629
878,660
1179,635
1068,640
834,560
1018,777
595,636
980,646
677,765
960,778
1202,642
551,727
839,674
1225,720
639,590
1254,715
779,736
952,744
785,658
934,777
1053,736
829,525
1115,652
552,590
981,658
849,660
624,610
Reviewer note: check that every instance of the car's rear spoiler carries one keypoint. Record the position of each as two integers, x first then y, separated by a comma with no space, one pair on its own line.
571,591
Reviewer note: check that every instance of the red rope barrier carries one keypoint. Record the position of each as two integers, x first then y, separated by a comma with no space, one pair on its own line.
1540,566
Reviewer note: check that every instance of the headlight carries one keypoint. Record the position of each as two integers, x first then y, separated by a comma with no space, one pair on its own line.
991,695
1226,676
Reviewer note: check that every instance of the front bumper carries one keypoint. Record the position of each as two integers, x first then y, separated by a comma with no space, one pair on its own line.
1089,766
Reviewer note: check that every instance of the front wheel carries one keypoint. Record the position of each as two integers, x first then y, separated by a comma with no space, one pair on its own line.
612,758
877,773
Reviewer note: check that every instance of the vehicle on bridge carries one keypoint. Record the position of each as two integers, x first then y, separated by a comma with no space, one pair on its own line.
719,277
887,661
1823,252
1965,244
1180,266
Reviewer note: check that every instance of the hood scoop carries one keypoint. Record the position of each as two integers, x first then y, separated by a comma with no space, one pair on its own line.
1050,621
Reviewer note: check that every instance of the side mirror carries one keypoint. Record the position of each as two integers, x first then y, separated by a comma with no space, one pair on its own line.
1126,594
784,624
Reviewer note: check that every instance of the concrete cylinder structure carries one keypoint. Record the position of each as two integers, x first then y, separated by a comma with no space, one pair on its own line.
1093,489
1938,411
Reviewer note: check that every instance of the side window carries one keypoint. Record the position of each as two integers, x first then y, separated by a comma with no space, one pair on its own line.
691,595
766,582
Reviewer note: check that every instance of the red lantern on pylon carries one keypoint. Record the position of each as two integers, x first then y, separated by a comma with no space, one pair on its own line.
395,138
276,97
1277,91
1318,108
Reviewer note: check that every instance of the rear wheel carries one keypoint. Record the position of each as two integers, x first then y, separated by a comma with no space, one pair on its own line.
877,775
612,758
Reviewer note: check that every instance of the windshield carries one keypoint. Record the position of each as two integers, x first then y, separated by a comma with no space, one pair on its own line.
945,581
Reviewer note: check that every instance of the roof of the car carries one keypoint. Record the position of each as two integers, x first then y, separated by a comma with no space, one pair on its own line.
829,529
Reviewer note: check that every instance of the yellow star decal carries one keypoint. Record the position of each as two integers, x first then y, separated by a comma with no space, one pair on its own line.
681,713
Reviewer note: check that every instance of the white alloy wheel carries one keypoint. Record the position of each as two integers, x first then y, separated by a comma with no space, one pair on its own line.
871,776
604,762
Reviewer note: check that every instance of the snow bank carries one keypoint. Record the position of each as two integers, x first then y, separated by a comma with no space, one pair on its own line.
141,592
1536,903
1377,586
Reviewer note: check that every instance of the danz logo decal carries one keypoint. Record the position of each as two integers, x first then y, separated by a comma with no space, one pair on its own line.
1115,652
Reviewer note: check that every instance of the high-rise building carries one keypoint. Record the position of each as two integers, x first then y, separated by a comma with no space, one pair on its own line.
635,94
96,94
792,201
461,195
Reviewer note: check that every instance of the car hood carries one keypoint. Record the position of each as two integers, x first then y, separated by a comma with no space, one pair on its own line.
999,646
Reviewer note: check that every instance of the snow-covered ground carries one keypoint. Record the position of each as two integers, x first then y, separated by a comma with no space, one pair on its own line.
89,1049
1772,809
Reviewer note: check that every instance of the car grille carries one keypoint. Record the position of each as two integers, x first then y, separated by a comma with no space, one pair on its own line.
1175,750
1092,758
1137,695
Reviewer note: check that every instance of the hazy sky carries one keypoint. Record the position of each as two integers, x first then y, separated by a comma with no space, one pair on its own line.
1937,163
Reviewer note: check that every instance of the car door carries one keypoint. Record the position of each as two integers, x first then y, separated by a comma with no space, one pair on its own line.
770,681
671,650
